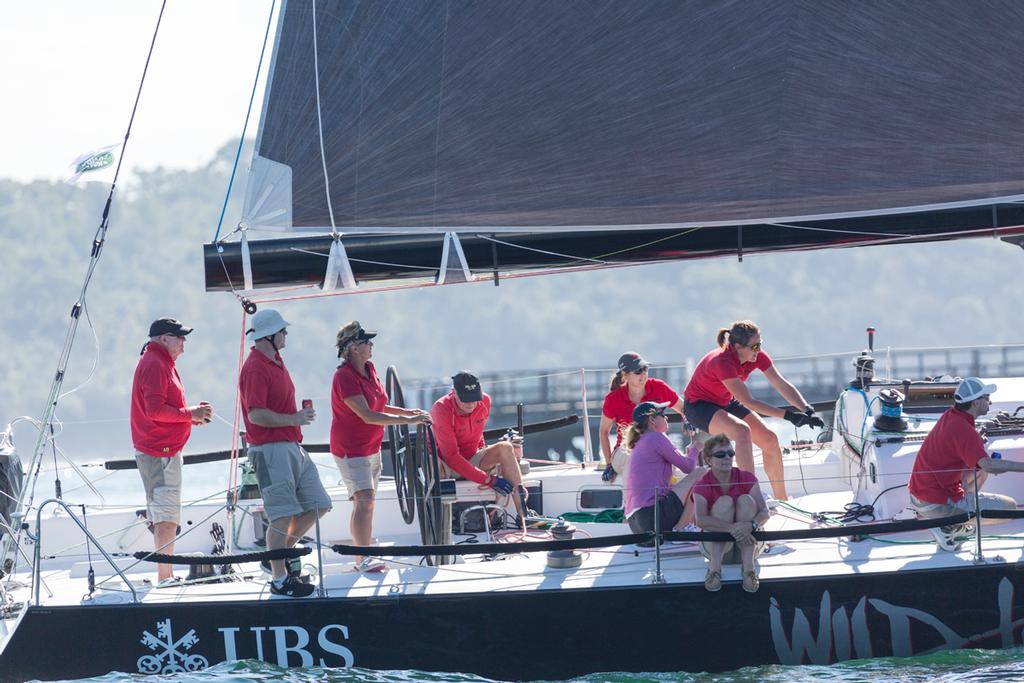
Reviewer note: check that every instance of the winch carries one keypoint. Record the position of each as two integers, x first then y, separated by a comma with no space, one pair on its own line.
890,417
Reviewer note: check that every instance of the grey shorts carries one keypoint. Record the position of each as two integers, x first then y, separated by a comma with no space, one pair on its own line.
359,472
288,479
161,477
987,501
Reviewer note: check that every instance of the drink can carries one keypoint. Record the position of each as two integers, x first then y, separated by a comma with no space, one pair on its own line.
307,403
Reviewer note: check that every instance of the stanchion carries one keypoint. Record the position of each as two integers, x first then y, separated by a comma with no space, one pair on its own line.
320,592
979,558
658,576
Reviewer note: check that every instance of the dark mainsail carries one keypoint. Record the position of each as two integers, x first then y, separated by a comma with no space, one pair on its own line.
589,130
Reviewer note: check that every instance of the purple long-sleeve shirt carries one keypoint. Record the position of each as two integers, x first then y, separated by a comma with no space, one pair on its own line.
650,467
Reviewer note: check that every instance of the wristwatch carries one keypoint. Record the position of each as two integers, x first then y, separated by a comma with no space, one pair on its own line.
753,525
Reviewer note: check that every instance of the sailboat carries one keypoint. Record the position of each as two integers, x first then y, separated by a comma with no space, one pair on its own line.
427,144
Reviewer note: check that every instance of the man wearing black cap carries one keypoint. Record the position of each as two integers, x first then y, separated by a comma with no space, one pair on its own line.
459,418
161,423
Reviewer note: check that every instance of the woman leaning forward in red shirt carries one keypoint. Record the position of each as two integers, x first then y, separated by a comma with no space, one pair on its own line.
359,407
717,400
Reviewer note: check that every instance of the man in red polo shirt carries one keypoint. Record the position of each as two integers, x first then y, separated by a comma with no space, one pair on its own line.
161,423
289,482
459,418
949,460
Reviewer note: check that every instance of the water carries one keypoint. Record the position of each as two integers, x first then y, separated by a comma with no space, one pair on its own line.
962,666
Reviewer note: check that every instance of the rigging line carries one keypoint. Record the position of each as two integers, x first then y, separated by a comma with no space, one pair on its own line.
65,355
837,230
575,259
236,420
410,266
320,126
647,244
248,111
95,357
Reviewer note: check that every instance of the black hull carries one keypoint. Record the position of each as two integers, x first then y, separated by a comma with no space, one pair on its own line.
562,632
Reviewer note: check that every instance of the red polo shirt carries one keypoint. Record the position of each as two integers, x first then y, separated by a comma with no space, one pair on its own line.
619,407
952,446
458,435
161,424
721,364
265,383
350,436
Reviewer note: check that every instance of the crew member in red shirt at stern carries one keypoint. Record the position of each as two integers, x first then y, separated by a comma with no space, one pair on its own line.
360,410
951,457
161,423
459,418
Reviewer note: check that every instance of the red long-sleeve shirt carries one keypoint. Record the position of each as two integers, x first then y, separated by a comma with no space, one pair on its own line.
161,424
460,435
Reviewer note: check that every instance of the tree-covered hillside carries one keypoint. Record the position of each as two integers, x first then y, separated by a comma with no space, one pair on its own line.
925,295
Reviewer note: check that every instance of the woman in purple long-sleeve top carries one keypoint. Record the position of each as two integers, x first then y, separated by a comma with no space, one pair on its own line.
650,473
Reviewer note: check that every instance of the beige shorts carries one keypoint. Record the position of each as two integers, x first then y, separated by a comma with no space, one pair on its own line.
620,463
359,472
475,460
161,477
289,482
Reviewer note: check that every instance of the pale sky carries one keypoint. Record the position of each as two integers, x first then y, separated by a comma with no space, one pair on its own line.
69,70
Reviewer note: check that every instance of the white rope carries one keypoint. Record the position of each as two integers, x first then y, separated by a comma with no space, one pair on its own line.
320,126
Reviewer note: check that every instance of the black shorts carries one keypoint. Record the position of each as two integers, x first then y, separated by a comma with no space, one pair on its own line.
670,509
699,414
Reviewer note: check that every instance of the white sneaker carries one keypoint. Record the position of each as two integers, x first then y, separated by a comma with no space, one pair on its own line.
770,503
947,542
169,582
369,565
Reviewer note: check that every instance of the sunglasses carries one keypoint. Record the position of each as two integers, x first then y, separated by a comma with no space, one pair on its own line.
723,454
756,347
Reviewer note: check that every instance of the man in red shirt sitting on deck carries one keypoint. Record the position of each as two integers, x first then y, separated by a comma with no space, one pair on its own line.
459,418
950,458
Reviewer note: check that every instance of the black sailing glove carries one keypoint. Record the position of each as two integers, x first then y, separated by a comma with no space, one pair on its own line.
797,419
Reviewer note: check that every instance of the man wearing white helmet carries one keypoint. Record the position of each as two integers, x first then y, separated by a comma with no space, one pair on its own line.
289,482
951,456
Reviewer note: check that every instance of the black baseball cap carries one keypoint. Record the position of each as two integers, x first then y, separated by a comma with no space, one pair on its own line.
646,409
632,362
467,386
168,326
